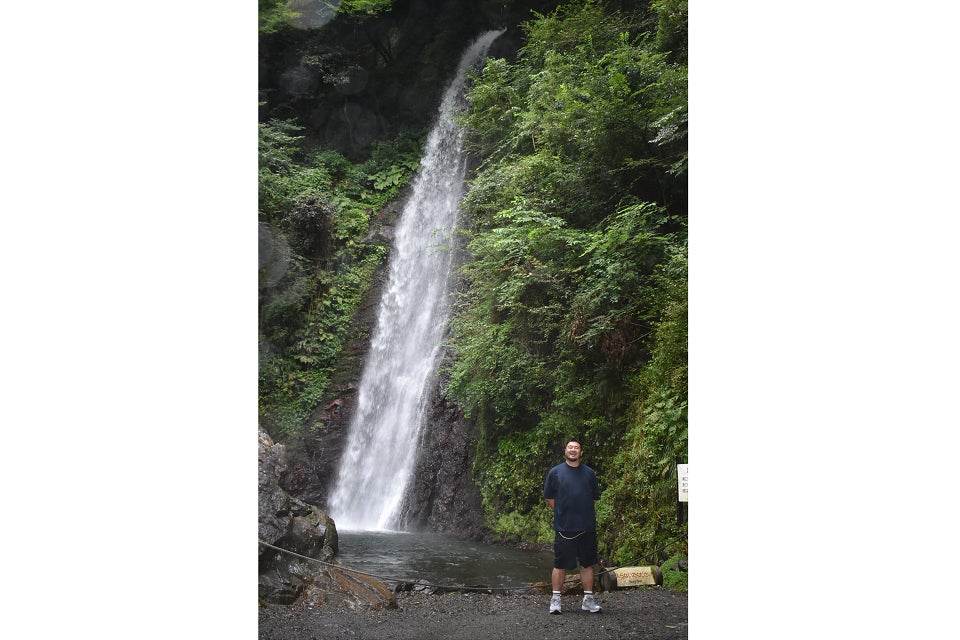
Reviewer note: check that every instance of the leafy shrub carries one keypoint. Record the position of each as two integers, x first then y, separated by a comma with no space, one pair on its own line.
572,316
322,205
674,578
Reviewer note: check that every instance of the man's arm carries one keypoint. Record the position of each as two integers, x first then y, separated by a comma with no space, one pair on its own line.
549,489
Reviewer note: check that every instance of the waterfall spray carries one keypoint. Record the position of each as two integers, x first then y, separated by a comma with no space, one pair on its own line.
384,432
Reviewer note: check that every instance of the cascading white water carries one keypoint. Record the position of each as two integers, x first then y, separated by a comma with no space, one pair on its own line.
382,443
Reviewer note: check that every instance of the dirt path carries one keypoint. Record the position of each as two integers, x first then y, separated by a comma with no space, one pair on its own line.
650,613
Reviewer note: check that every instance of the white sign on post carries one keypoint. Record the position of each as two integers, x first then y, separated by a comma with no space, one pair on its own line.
682,481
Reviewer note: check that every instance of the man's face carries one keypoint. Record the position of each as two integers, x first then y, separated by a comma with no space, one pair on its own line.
573,451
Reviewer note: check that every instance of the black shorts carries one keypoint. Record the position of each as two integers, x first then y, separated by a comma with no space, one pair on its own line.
569,547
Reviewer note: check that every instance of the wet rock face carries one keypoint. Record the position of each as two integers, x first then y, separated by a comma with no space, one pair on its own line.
441,496
288,523
311,471
351,84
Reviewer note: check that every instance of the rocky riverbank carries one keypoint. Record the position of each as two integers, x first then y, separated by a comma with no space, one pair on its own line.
650,613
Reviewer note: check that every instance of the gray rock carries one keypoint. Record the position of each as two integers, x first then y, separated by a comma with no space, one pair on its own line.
289,524
299,544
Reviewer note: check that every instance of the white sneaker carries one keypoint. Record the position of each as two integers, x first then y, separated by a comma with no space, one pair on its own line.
589,604
555,605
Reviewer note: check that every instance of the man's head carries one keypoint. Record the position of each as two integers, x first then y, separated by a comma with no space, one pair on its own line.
572,452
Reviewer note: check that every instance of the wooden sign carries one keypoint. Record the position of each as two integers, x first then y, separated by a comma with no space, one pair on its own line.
682,481
623,577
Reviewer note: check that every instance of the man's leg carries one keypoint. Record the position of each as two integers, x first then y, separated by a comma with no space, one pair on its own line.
560,552
586,578
556,578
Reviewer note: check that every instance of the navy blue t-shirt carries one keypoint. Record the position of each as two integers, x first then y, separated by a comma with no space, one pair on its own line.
573,490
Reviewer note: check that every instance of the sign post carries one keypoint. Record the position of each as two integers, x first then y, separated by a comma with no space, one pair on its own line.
683,486
682,482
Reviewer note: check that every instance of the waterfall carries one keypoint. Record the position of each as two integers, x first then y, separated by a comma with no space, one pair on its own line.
384,432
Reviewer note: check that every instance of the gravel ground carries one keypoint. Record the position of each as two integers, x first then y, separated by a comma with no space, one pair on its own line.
651,613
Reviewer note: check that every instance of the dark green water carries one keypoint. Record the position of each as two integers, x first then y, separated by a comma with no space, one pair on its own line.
441,560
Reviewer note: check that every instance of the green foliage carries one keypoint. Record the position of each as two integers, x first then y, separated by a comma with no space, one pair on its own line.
273,15
641,501
390,177
536,526
592,110
392,163
319,204
671,33
281,313
364,7
673,578
494,104
511,489
277,144
572,319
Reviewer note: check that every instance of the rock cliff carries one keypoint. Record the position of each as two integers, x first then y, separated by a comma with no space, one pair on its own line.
351,82
310,571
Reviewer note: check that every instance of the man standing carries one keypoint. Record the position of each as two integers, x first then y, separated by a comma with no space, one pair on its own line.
570,490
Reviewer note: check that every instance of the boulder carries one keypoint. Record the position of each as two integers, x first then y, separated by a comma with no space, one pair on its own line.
289,524
353,591
299,544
